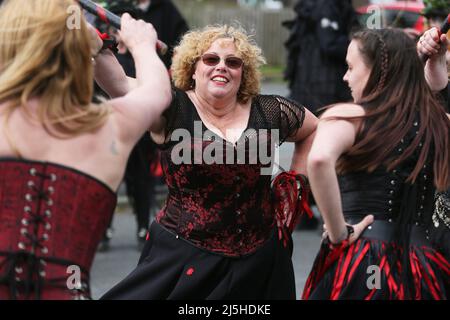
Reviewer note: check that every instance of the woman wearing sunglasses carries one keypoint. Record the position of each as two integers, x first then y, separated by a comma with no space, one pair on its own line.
217,236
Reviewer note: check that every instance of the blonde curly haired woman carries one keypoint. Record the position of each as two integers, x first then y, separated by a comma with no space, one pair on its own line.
217,236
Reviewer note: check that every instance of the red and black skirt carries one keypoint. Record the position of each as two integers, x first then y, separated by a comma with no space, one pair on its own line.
369,269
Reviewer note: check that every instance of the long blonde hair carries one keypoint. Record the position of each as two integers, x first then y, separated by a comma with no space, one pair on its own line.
41,57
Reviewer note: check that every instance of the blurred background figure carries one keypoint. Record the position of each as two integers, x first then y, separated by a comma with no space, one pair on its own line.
319,36
167,20
143,176
317,45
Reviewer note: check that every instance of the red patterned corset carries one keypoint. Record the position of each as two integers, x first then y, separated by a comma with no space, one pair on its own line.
51,220
223,208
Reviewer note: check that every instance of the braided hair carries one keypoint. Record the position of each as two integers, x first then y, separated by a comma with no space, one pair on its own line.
395,95
396,98
384,63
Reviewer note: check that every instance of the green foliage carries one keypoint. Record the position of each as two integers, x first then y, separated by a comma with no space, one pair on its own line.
272,73
436,8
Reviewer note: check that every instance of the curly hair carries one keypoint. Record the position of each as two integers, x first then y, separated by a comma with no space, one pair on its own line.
196,42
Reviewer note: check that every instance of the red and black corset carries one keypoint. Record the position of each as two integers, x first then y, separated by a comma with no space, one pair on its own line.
51,217
223,206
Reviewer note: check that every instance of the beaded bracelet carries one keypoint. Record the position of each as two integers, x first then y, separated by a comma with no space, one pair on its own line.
350,231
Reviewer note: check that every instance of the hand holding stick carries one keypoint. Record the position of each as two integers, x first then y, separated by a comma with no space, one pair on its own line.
114,20
428,44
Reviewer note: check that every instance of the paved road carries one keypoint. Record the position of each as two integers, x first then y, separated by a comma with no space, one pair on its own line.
112,266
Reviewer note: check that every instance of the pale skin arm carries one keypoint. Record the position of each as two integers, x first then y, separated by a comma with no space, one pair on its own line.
110,75
430,44
141,106
303,142
333,138
108,72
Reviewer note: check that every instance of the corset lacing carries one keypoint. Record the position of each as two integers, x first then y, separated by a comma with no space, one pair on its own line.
26,268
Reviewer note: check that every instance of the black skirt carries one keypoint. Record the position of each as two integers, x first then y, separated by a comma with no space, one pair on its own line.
172,268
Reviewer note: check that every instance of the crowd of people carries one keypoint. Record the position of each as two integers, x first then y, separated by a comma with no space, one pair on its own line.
376,160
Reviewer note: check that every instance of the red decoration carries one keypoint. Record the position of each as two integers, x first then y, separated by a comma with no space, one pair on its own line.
291,191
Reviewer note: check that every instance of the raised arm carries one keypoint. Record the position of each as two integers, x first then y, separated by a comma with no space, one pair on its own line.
110,75
303,141
333,138
138,109
108,72
435,47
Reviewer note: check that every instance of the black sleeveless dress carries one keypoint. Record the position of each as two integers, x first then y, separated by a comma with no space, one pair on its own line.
215,237
395,257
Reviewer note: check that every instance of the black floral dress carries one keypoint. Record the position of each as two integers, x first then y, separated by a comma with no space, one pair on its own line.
215,237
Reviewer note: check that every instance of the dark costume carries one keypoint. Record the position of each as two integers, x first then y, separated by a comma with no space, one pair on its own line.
216,236
441,216
51,217
403,219
138,180
168,22
441,223
170,26
317,46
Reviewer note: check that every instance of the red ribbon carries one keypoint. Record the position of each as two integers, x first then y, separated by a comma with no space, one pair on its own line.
103,36
102,14
289,203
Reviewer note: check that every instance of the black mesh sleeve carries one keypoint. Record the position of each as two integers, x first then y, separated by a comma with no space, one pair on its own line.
292,116
280,113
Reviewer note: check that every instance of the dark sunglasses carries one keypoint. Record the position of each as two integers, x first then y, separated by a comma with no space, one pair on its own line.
212,60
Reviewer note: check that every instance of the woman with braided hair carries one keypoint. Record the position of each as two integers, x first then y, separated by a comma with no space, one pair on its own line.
374,167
